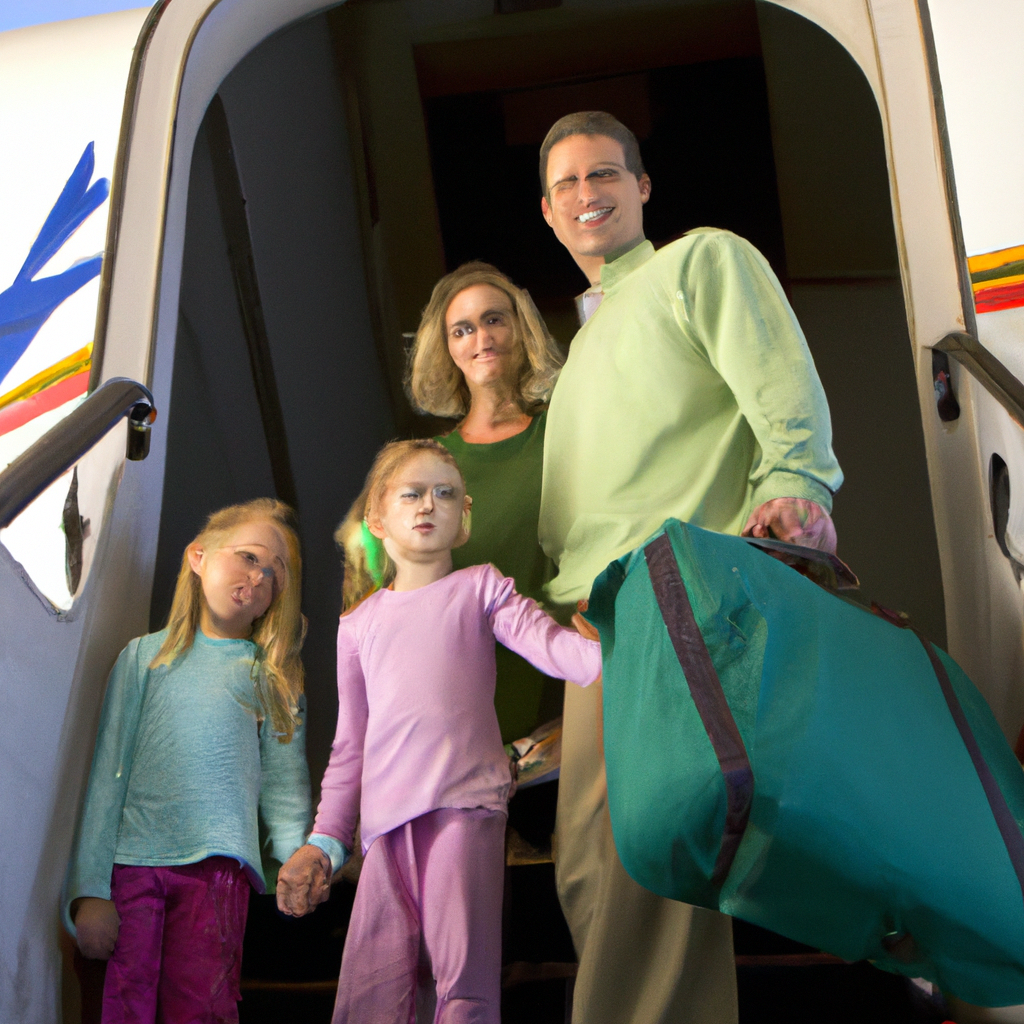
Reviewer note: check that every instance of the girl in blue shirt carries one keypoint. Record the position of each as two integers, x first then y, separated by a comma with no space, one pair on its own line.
201,732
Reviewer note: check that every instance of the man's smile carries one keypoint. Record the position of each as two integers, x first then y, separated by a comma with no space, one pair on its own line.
590,215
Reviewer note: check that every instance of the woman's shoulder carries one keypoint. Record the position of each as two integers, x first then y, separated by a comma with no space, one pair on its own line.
450,438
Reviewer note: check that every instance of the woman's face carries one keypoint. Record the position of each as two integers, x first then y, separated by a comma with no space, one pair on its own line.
239,577
481,338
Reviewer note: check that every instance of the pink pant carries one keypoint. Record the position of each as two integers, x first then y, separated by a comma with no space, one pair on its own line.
436,879
178,956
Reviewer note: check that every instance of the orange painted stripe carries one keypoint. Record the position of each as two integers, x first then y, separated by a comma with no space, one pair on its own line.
988,300
991,260
19,413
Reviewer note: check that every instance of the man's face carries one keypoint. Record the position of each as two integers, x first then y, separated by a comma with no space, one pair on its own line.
594,204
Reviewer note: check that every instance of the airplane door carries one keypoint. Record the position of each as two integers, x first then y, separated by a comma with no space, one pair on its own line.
892,42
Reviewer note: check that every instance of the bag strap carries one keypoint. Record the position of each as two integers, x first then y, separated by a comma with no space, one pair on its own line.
1005,821
708,696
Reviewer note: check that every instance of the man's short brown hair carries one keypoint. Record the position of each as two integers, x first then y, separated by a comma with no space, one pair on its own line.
591,122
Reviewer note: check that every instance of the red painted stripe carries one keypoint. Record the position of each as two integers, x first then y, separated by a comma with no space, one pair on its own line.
20,413
1007,296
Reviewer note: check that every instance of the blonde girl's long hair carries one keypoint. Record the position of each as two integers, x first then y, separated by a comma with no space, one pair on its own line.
278,633
367,565
436,385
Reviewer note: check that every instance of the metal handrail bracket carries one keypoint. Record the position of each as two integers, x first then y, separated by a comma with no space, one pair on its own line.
1004,387
65,443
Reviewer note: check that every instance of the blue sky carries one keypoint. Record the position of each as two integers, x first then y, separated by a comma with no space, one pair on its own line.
19,13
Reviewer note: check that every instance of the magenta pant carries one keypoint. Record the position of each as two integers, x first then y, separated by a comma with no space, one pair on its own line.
178,956
437,881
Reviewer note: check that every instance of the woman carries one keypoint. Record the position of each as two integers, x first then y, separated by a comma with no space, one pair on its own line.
483,356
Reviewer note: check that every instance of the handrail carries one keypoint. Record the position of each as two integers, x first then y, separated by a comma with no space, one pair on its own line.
66,442
1004,387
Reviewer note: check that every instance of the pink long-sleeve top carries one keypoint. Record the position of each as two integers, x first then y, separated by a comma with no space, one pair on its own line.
417,729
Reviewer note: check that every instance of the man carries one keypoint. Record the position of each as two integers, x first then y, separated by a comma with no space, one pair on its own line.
689,392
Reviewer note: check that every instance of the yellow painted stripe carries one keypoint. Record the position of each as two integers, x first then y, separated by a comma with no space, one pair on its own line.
67,367
980,286
991,260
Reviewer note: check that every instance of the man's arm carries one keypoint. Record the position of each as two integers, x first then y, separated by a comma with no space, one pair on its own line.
753,340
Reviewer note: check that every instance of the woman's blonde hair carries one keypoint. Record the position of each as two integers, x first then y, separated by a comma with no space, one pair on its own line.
436,385
367,565
278,633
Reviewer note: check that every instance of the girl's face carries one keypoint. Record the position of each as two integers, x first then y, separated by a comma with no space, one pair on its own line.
481,338
239,577
420,515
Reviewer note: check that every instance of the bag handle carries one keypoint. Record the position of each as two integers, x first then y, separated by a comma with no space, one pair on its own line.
708,696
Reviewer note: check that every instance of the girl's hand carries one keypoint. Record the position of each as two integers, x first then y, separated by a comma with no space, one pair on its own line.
585,629
96,924
304,881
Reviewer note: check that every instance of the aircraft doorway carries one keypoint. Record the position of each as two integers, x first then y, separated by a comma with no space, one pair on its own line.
384,143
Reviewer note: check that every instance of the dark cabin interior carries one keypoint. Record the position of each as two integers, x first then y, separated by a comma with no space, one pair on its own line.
379,145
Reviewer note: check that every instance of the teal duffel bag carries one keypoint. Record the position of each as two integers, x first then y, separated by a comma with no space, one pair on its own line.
782,755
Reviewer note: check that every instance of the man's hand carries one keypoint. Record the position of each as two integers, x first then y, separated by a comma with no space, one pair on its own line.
96,925
587,630
304,881
795,521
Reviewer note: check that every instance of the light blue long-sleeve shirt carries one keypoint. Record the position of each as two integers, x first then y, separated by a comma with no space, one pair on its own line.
181,766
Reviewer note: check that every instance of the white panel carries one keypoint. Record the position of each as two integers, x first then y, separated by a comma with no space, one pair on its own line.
978,45
61,87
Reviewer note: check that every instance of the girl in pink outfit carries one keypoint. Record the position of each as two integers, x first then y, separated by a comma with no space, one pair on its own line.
418,755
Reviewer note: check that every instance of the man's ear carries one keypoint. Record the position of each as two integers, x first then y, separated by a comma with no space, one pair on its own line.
195,556
545,208
644,184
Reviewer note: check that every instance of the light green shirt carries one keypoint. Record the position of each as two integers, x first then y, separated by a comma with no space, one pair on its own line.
690,393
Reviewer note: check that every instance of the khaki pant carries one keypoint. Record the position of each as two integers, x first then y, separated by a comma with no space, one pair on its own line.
643,959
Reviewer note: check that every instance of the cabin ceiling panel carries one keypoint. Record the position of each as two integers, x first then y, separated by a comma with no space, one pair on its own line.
493,56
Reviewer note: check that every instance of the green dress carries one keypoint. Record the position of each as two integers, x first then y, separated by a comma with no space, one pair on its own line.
503,478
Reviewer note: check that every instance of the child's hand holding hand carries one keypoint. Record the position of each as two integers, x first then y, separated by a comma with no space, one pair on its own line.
96,925
585,629
304,881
